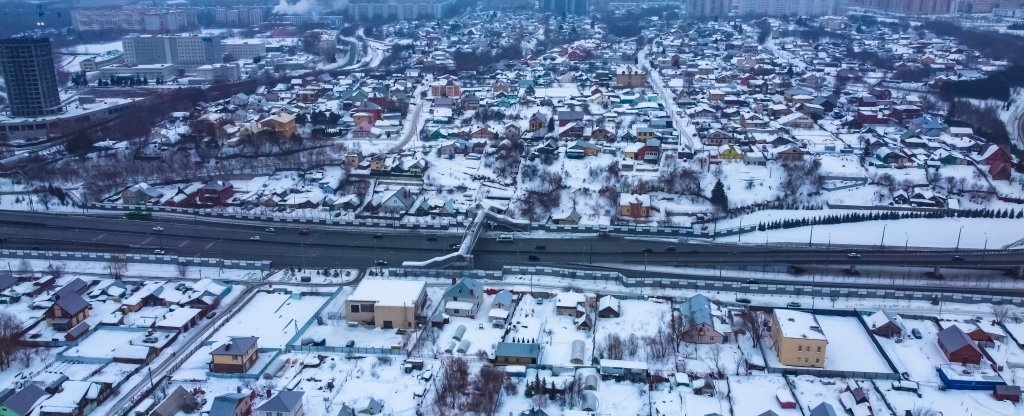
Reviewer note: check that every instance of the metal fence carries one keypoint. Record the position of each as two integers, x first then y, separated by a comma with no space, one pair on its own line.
260,265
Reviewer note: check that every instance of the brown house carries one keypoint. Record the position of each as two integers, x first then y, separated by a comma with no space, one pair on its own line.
235,356
957,347
68,310
513,353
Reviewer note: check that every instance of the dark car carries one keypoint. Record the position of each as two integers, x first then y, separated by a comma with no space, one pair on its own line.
958,258
431,239
670,248
304,231
744,301
540,247
647,251
381,262
533,258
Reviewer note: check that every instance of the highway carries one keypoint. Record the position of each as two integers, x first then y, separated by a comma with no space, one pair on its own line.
348,247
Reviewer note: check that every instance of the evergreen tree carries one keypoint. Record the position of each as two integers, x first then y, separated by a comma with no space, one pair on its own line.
718,197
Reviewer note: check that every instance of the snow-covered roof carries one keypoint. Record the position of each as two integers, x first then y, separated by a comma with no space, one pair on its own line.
388,292
799,325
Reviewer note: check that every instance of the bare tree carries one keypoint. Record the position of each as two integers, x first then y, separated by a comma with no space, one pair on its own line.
753,323
713,359
632,345
613,347
451,386
117,266
182,269
55,270
486,390
1001,312
10,331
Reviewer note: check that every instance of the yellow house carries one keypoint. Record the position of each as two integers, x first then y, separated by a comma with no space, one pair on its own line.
798,339
386,303
235,356
730,152
282,122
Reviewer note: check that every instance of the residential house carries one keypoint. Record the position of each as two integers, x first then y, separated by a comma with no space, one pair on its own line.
235,356
570,303
730,152
514,353
958,347
284,403
998,160
635,206
215,194
570,217
885,324
282,123
68,310
700,324
386,303
231,404
23,401
463,298
630,76
796,120
797,339
823,409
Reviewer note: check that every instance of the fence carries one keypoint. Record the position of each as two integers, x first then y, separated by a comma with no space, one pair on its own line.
261,265
704,284
346,350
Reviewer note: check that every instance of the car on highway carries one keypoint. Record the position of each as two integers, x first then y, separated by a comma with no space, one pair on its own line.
793,305
270,230
380,262
958,258
378,236
670,249
159,252
540,247
533,258
255,238
158,228
431,239
853,256
647,251
456,246
505,237
744,301
304,231
753,282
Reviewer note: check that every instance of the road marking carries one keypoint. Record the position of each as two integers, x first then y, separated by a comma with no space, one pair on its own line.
210,245
183,243
99,237
146,241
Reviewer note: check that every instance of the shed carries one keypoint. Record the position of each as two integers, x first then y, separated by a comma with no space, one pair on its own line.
608,307
590,382
463,346
579,348
1008,393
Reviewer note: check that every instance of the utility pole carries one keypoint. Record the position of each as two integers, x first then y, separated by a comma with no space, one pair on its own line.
958,237
810,239
882,243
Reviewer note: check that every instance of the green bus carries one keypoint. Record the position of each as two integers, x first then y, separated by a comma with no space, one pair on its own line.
138,215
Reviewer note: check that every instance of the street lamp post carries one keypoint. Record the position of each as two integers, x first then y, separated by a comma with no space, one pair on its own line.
958,233
882,243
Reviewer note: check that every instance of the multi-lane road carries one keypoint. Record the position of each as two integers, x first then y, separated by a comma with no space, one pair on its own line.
337,247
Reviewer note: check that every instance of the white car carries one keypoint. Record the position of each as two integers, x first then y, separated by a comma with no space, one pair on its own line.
255,238
158,228
159,252
270,230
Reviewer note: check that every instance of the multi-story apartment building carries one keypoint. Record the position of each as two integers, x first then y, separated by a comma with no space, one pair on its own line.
30,77
185,51
133,19
399,9
791,7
